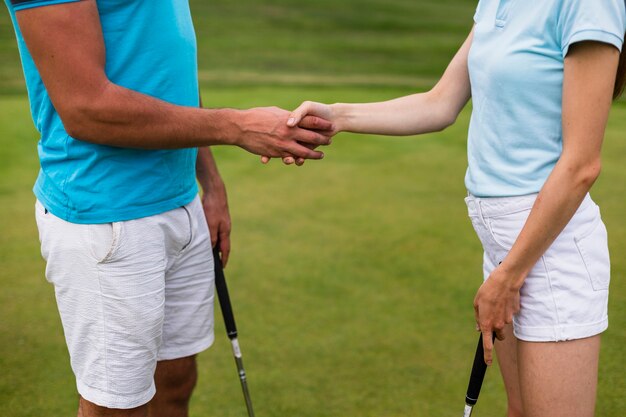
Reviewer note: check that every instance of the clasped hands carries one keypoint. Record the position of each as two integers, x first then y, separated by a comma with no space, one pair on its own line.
305,129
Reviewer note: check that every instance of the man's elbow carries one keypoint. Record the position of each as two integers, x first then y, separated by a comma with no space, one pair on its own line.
80,121
75,125
82,116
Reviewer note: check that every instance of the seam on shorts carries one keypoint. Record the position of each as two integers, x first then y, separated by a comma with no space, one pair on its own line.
106,362
556,310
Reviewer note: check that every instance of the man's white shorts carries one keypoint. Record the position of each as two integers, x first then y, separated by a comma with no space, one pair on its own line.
565,296
130,294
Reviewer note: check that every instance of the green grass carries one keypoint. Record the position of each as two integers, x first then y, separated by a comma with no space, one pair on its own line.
382,41
352,278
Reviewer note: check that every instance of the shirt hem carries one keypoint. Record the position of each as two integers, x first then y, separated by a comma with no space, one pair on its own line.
98,217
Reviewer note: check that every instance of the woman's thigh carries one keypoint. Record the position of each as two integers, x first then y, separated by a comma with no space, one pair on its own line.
559,379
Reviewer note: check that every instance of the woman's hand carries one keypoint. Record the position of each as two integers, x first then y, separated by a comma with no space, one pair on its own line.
307,116
311,108
496,301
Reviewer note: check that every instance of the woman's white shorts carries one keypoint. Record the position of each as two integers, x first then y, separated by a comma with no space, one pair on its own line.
130,294
565,296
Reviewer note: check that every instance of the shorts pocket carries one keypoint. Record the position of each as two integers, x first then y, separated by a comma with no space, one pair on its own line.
505,229
104,240
593,249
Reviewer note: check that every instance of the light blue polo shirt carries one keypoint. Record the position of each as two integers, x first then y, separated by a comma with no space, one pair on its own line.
516,73
150,48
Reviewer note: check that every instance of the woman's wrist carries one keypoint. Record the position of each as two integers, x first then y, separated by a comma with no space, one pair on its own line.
340,115
513,274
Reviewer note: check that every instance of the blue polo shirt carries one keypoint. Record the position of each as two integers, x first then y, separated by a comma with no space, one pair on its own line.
516,73
150,48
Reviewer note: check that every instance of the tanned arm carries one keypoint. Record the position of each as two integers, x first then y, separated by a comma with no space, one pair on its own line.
66,43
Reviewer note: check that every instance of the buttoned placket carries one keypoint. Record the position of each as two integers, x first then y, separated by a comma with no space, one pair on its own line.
502,12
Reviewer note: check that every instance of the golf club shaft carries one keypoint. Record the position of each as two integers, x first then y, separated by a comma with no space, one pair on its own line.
477,376
242,377
231,327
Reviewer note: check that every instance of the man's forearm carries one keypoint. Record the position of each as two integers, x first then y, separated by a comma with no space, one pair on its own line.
126,118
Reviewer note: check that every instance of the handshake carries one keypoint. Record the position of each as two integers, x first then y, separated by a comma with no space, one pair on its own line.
272,132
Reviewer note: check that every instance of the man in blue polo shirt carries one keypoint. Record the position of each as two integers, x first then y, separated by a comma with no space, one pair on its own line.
113,90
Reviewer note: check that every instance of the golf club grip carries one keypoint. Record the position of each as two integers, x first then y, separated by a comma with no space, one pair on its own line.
478,374
222,295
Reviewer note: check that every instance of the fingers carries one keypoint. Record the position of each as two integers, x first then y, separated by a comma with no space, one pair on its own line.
313,138
315,123
213,229
224,245
488,345
296,150
288,160
500,334
298,114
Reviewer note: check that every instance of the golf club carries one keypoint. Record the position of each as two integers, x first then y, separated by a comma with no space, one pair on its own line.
476,378
229,322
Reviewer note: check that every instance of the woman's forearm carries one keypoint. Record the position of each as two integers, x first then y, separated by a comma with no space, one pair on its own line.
431,111
554,207
409,115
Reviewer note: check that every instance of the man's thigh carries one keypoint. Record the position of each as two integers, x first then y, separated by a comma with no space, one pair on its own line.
110,290
129,294
189,292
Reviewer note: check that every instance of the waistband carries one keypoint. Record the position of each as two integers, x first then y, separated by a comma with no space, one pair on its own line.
500,206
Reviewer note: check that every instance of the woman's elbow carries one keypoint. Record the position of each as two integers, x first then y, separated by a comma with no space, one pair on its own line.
448,120
592,172
587,173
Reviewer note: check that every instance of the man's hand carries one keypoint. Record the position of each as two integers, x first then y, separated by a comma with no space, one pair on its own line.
302,118
264,131
215,205
214,201
496,301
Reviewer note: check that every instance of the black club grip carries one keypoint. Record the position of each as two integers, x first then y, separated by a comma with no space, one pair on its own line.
222,295
478,374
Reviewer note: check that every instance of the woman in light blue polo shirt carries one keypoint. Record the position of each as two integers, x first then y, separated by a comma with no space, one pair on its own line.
541,76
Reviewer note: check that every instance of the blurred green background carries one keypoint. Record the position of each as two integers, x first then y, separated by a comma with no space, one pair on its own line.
352,278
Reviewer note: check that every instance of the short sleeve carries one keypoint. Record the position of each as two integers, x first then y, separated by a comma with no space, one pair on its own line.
591,20
29,4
